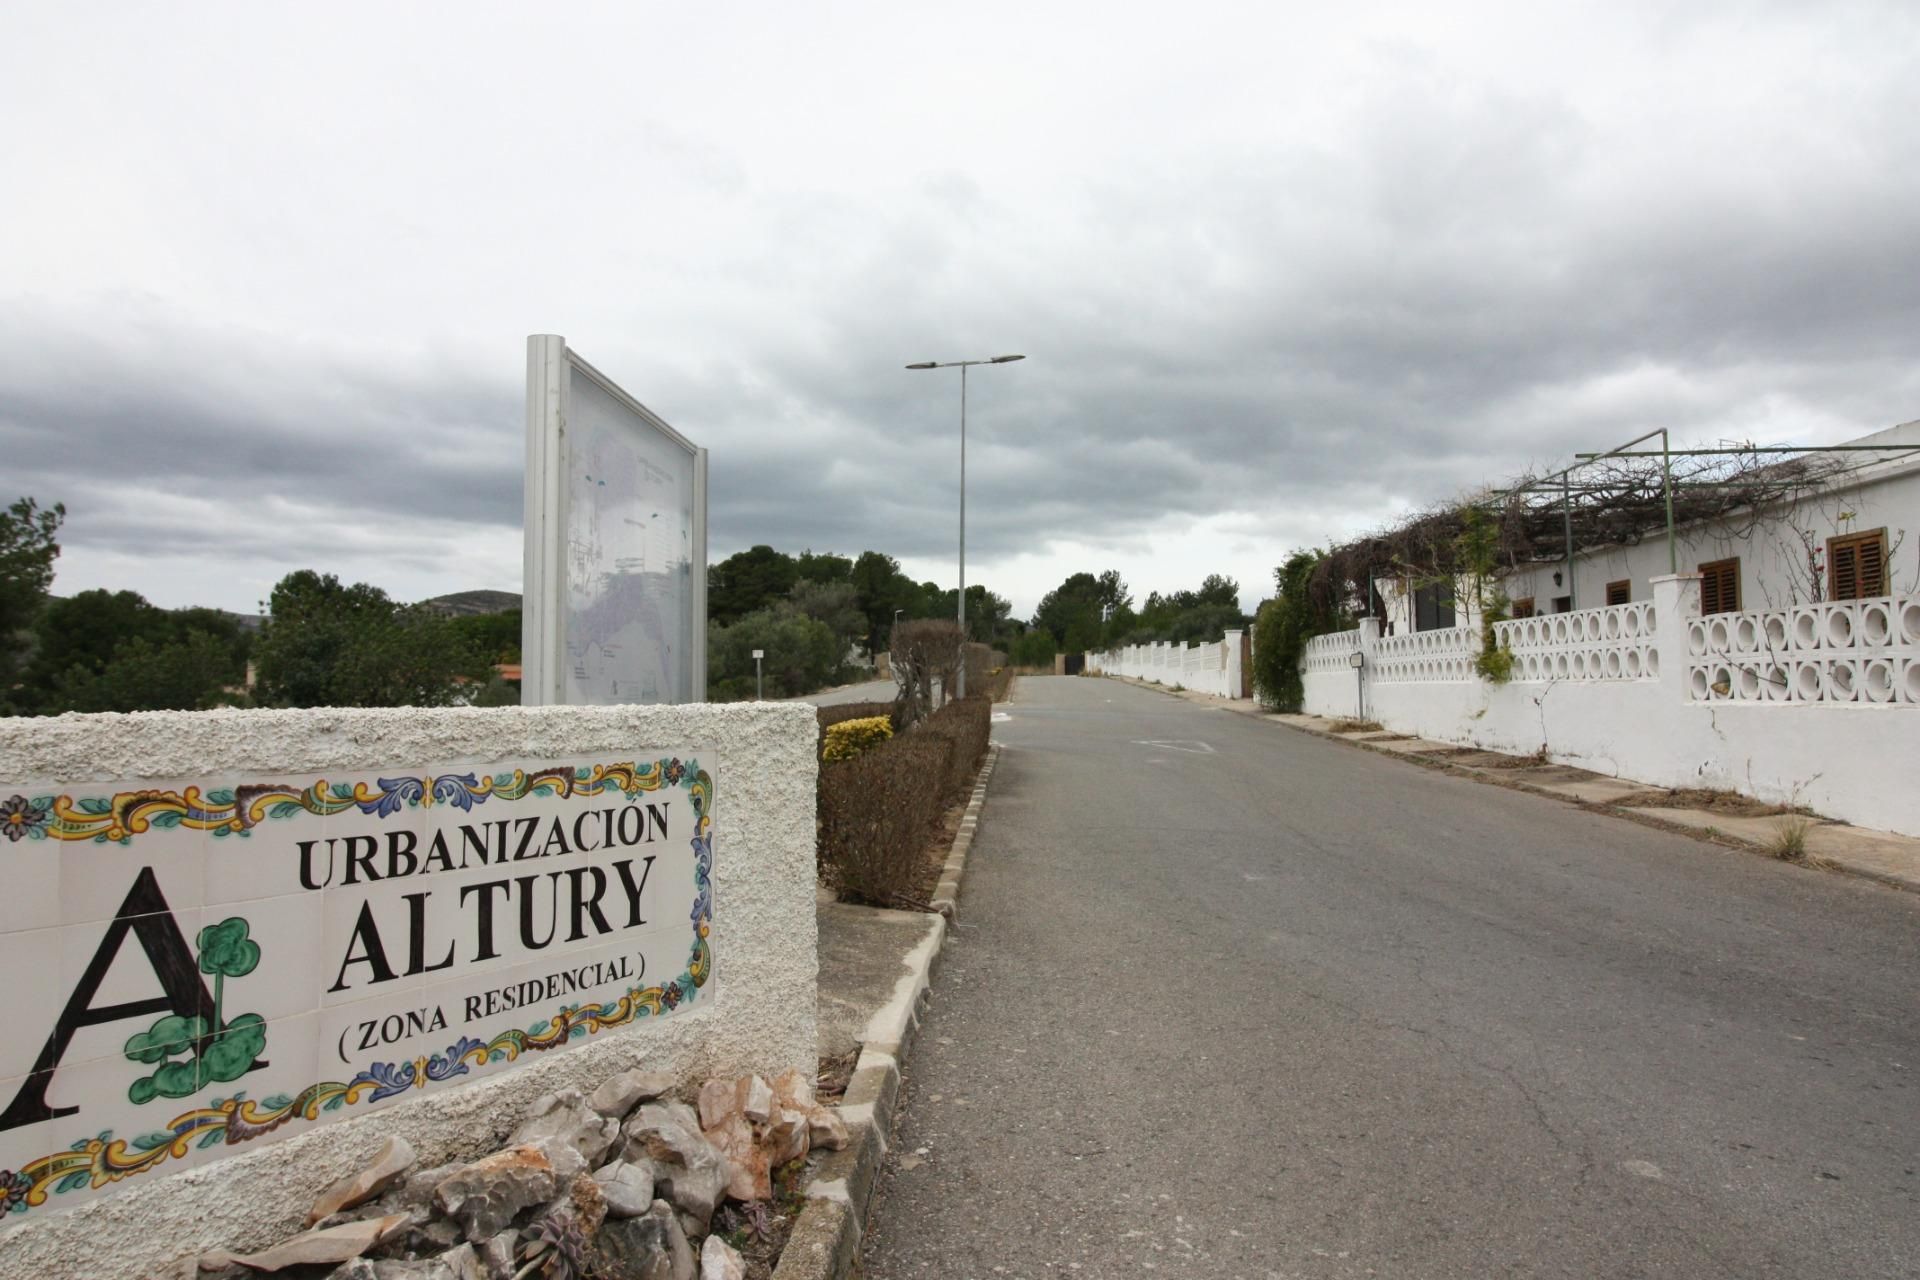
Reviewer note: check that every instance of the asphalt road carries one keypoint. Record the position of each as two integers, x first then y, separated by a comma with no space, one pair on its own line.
1229,1000
872,691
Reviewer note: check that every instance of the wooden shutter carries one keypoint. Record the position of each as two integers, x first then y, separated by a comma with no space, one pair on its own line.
1720,586
1857,566
1620,592
1523,607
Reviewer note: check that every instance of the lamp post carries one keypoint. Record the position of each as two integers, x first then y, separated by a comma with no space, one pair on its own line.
759,689
963,366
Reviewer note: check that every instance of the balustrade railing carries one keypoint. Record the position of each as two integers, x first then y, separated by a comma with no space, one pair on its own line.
1841,651
1615,642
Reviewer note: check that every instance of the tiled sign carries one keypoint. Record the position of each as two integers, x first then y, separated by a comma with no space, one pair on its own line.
197,967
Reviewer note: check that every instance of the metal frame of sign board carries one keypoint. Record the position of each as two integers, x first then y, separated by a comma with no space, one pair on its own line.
549,402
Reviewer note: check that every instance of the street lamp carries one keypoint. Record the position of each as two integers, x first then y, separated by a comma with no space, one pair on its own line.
963,366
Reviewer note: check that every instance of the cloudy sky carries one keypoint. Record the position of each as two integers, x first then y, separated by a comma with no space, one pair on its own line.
1281,271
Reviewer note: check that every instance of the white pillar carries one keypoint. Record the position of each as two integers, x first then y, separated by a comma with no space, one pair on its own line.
1232,664
1370,646
1676,601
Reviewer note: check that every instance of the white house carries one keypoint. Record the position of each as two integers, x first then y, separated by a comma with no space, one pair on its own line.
1774,651
1849,539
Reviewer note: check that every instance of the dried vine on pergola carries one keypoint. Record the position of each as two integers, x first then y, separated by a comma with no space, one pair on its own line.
1611,501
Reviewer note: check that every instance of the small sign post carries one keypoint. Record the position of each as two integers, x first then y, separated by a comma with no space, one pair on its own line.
759,691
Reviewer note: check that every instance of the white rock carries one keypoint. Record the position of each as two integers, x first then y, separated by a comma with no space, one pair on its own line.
720,1261
617,1097
756,1100
627,1186
566,1117
393,1159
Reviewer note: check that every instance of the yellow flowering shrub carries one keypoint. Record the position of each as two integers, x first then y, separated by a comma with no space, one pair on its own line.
851,738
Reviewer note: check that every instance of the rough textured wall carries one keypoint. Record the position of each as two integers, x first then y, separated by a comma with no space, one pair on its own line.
761,1019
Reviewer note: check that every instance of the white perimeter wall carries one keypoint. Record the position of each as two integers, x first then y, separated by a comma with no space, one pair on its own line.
1849,759
761,1019
1207,668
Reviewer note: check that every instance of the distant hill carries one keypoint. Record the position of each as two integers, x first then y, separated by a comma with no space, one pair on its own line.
467,604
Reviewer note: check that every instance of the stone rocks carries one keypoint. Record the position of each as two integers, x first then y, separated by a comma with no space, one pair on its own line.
417,1191
497,1255
567,1117
315,1248
788,1137
756,1099
617,1098
751,1179
393,1159
484,1197
720,1261
622,1181
687,1169
627,1186
649,1247
826,1130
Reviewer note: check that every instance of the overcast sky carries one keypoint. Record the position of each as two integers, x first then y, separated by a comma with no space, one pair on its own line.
1280,272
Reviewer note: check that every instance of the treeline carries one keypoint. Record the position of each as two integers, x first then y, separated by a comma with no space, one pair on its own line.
820,617
1090,612
319,643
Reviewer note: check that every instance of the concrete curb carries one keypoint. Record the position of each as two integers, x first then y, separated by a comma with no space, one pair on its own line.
825,1244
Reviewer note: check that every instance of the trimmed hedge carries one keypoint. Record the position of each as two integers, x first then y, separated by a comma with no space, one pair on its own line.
879,810
967,722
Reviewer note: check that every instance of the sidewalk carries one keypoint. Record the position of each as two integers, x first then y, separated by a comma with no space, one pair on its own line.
1836,846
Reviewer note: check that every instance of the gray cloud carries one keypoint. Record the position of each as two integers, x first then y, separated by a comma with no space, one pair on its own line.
1263,305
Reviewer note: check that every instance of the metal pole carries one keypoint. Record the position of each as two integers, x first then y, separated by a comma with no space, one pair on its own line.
960,680
1666,475
1566,516
759,688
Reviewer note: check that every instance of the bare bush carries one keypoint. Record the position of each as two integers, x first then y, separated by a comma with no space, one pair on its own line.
924,650
877,815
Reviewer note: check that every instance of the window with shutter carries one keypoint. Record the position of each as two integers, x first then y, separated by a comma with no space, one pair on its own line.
1523,607
1720,586
1620,592
1857,566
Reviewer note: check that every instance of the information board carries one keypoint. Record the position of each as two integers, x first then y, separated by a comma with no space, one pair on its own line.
220,963
615,601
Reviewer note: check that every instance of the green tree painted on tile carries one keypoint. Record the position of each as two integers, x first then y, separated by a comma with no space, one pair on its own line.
215,1054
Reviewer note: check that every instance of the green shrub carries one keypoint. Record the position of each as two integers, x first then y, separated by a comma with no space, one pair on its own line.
856,737
1282,629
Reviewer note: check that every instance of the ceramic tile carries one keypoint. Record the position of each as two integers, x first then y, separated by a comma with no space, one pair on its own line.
23,1144
124,1100
130,977
261,859
286,979
98,877
531,899
31,898
33,1005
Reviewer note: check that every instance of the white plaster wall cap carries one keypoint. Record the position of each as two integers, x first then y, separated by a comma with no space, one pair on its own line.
186,743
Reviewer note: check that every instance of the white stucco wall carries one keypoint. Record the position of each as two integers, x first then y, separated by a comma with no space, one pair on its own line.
760,1018
1213,668
1851,761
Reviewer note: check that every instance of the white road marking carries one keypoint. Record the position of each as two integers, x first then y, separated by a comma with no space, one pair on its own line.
1177,744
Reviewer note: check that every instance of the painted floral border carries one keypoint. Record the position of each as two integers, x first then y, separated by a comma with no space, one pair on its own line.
95,1162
